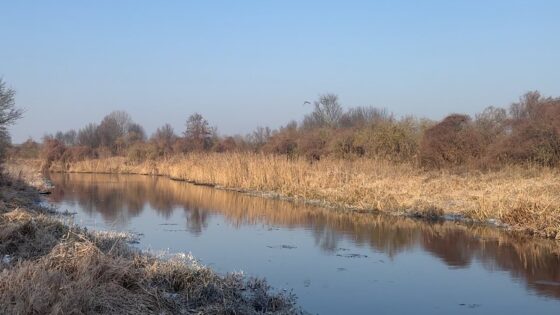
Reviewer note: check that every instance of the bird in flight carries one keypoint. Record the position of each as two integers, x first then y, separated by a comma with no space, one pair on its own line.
306,102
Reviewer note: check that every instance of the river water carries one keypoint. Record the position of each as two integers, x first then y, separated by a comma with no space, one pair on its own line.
336,262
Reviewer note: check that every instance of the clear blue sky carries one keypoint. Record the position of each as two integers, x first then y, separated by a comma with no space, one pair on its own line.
248,63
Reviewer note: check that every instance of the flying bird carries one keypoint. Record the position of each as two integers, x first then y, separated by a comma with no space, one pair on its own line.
306,102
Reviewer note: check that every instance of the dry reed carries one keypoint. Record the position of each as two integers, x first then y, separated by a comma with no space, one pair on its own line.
524,198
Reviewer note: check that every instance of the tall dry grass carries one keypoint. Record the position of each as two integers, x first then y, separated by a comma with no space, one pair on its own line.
525,198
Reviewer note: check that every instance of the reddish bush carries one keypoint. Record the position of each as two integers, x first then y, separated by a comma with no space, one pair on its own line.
282,145
313,143
52,151
180,145
284,141
452,142
225,145
528,144
533,133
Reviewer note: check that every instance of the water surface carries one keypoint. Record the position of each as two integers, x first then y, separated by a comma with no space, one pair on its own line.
335,262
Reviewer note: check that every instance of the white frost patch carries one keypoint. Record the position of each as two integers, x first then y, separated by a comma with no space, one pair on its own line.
47,205
454,217
497,223
187,259
181,258
7,259
239,273
129,237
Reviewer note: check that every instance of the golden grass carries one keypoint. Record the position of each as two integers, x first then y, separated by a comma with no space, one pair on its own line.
524,198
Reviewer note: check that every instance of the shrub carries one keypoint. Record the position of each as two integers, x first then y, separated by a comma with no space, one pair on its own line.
344,145
394,141
533,144
225,145
532,134
78,153
284,141
452,142
53,150
282,144
139,152
103,152
313,144
27,150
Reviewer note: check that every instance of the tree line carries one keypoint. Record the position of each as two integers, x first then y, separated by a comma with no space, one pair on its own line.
526,132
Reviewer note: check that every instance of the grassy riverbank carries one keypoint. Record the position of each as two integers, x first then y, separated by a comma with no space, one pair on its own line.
524,198
49,267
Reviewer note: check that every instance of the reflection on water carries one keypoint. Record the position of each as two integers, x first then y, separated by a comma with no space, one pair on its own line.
121,199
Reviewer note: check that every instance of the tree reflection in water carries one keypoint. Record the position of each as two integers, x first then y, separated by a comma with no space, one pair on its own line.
118,198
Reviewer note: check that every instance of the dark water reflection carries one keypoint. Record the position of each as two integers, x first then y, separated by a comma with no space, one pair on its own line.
335,261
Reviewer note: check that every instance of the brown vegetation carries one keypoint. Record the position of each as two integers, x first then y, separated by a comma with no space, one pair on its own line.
499,165
527,134
524,198
452,142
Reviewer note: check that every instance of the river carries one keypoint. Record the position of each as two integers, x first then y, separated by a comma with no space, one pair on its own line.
336,262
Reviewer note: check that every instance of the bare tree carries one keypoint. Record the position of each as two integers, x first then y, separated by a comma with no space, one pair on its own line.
68,138
526,106
327,112
113,129
164,138
108,132
198,133
361,116
491,123
88,136
8,115
259,137
135,133
8,111
122,119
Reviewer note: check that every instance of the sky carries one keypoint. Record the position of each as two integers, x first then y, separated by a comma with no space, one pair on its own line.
243,64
